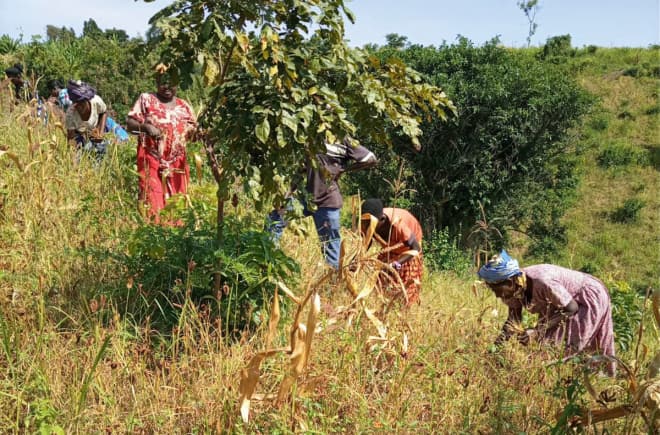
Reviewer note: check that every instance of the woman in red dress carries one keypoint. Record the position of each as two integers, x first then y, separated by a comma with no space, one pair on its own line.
163,123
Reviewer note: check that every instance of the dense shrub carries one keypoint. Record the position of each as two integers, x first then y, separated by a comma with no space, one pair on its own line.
557,47
620,154
506,150
628,212
627,306
168,265
443,252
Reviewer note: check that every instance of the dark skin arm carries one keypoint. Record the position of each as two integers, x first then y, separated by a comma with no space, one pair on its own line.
135,126
97,133
514,318
413,244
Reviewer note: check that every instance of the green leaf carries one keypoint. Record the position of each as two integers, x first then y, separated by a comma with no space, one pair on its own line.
262,130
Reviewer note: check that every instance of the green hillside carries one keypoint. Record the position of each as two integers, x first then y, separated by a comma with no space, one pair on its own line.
613,227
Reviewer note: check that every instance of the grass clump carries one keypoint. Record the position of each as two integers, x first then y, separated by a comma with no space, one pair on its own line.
620,154
629,211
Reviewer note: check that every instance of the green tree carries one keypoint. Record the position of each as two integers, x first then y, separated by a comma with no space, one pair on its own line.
54,33
509,150
91,29
281,81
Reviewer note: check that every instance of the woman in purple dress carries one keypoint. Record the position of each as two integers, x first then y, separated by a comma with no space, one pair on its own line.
573,307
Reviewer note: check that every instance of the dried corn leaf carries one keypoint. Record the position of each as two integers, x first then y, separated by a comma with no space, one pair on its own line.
297,360
342,256
288,292
371,229
249,379
13,157
312,316
351,285
380,327
274,320
648,396
367,288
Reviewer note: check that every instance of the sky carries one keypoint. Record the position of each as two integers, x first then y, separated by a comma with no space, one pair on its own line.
605,23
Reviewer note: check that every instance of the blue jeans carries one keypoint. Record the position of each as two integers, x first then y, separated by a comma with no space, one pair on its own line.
327,226
326,221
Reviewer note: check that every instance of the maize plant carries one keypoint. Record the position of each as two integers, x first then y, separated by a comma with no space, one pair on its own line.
374,288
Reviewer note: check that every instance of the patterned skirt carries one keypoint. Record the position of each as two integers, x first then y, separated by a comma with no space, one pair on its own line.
411,274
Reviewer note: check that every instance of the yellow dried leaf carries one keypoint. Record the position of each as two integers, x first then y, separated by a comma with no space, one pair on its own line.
296,360
13,157
312,316
371,229
249,379
288,292
382,329
352,286
274,319
368,287
272,70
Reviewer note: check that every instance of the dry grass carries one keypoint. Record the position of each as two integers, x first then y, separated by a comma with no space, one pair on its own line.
74,362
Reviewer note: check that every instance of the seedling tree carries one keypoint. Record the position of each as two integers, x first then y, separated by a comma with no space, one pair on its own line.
281,80
530,8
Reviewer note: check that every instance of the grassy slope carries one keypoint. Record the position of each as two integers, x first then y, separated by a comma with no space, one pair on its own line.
447,382
628,116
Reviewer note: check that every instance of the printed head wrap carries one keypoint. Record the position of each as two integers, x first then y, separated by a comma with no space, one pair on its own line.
80,91
499,268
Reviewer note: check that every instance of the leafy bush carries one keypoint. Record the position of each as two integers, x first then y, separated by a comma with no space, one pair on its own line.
620,154
628,212
557,47
167,265
506,150
599,122
442,252
627,306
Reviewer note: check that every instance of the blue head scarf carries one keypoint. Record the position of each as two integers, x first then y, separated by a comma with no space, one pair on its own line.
499,268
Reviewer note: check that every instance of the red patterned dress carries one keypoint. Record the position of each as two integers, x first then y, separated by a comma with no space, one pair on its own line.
161,163
404,224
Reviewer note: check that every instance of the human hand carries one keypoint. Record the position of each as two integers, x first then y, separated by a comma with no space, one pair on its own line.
528,336
151,130
396,265
96,136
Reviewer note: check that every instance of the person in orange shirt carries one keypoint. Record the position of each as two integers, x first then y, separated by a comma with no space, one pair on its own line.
399,230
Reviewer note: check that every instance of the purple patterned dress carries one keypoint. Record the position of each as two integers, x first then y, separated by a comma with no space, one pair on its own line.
590,329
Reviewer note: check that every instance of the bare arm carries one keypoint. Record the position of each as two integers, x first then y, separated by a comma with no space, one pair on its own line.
413,244
98,131
514,318
136,127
